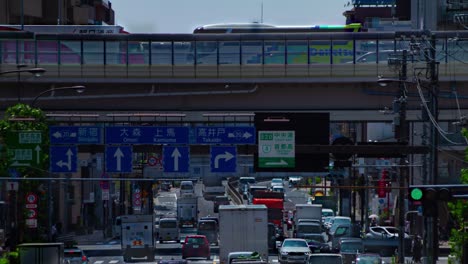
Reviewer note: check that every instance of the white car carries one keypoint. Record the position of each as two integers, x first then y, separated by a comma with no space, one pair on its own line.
294,250
276,182
383,232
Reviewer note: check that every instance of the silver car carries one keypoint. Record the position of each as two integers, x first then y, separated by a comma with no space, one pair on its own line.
293,250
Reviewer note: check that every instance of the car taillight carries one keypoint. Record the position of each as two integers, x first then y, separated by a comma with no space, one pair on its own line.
84,258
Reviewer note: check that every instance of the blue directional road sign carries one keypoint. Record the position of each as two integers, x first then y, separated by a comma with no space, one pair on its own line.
63,158
176,159
75,135
119,159
225,135
147,135
223,159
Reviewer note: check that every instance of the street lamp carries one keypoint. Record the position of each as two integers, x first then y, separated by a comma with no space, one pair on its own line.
20,68
77,88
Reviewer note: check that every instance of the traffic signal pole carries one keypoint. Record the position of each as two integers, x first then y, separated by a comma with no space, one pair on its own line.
403,138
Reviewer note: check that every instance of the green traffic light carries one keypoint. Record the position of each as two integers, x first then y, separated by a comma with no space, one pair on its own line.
416,194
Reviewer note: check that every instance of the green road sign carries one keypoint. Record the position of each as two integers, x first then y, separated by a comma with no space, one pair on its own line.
276,149
25,148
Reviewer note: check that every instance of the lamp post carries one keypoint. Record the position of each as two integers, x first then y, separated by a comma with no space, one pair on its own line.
20,68
78,88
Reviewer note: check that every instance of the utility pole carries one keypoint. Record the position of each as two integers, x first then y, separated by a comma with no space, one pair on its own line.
403,138
434,92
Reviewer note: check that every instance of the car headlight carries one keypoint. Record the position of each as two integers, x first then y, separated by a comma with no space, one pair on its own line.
308,253
284,253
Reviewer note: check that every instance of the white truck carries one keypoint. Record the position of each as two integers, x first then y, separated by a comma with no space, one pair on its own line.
137,237
187,211
243,228
307,220
212,187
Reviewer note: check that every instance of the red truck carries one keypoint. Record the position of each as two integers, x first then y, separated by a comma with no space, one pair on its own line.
274,201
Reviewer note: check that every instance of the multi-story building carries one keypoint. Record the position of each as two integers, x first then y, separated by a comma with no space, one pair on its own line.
53,12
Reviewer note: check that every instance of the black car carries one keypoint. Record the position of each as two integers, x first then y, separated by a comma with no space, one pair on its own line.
220,200
350,248
317,243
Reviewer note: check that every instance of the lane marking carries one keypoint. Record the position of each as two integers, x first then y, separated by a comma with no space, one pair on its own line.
99,262
113,261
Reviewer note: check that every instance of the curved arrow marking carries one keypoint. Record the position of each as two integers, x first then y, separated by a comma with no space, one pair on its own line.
69,155
226,156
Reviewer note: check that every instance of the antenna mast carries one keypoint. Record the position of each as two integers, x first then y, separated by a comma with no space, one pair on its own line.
261,17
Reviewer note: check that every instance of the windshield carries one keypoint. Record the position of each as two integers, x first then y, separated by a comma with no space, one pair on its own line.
341,221
167,224
319,239
186,187
295,243
327,213
392,230
309,229
277,181
313,259
368,260
351,247
72,254
247,180
207,225
195,240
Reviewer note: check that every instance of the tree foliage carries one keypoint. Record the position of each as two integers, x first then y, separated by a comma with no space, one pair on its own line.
459,211
22,117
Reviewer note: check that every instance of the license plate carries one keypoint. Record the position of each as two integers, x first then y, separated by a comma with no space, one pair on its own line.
168,238
195,246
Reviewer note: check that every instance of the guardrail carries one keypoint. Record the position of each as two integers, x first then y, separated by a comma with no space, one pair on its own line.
232,191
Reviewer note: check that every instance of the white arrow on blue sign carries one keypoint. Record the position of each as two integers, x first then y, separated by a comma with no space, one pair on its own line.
176,159
63,159
119,159
75,135
225,135
223,159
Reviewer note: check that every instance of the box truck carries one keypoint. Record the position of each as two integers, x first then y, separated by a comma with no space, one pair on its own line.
187,211
243,228
137,237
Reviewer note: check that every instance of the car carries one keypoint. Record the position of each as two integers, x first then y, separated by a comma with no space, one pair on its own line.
165,186
196,246
74,255
337,221
293,250
327,222
368,258
276,182
326,212
383,232
243,184
242,256
220,200
208,228
324,258
187,188
294,180
317,243
349,247
278,189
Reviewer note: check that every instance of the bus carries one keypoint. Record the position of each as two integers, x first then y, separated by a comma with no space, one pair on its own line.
299,51
50,51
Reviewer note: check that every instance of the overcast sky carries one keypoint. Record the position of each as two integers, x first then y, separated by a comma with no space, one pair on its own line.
182,16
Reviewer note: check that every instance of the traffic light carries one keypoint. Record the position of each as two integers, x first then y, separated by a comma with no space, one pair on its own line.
429,194
429,197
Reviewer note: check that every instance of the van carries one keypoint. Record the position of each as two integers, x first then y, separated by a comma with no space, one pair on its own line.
209,229
168,230
187,188
117,227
